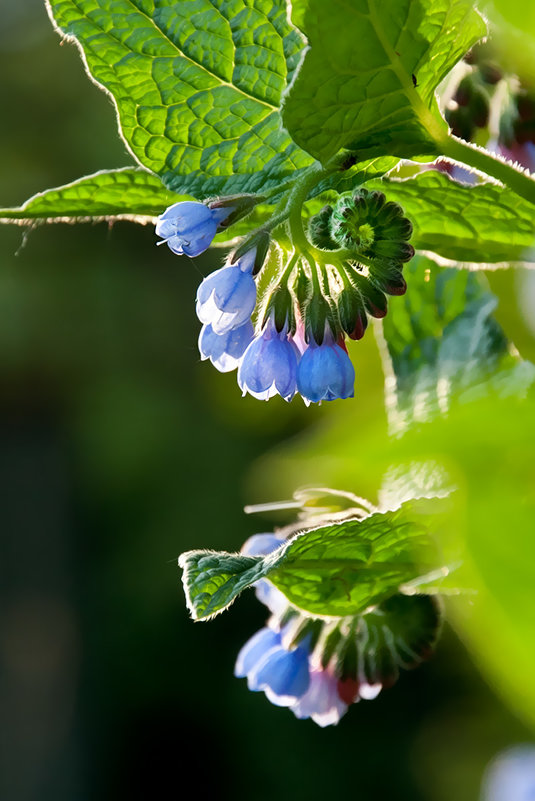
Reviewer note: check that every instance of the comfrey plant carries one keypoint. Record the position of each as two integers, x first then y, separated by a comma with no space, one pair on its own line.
315,141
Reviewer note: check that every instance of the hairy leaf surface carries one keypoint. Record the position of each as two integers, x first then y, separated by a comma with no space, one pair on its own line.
197,85
335,570
129,193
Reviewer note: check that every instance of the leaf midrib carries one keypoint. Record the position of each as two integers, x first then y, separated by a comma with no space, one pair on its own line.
415,101
421,111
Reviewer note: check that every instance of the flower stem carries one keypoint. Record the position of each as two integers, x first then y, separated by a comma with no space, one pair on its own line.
467,153
297,198
313,273
289,269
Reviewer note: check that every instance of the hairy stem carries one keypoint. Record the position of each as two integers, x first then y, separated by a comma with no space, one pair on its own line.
466,153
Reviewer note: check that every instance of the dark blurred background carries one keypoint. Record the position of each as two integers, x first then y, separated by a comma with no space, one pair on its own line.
119,450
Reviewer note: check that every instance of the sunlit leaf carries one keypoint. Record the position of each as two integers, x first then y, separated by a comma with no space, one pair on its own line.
197,86
129,193
374,91
335,570
480,224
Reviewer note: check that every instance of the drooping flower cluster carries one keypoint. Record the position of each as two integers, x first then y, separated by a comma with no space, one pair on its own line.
291,340
318,668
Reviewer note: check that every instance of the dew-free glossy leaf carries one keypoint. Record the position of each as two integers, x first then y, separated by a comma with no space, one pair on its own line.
130,193
373,91
197,85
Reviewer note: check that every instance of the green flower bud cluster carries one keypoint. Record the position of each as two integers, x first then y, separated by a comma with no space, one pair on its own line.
372,234
366,224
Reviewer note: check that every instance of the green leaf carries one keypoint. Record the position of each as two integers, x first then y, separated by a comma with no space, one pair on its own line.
343,569
197,85
350,179
480,224
335,183
130,193
212,580
335,570
358,91
443,341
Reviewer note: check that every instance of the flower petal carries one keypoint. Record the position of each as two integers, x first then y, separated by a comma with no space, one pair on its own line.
269,367
226,299
325,372
255,649
321,702
283,675
262,544
189,227
225,350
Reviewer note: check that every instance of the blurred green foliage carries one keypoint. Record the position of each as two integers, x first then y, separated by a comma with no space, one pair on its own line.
120,450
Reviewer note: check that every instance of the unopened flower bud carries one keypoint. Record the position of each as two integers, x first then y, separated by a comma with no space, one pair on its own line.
352,312
374,300
376,231
239,206
319,230
260,241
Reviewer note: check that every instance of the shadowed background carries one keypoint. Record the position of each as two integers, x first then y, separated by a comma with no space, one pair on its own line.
119,450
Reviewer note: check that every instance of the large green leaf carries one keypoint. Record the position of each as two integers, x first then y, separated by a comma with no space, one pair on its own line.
134,194
480,224
374,91
443,341
130,193
197,85
335,570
